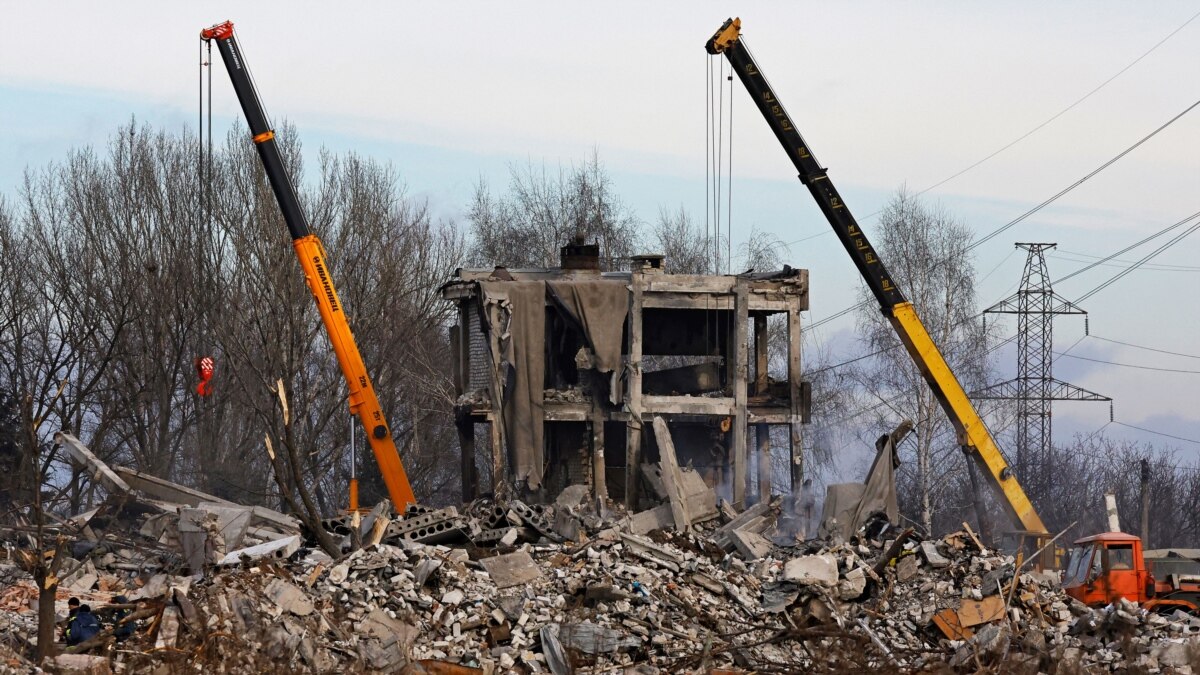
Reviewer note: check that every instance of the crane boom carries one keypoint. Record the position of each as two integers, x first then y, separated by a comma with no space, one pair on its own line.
363,402
973,435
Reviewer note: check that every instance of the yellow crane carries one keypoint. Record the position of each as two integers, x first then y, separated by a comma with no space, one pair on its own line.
973,435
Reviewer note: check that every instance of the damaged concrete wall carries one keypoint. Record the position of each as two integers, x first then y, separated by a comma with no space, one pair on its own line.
603,349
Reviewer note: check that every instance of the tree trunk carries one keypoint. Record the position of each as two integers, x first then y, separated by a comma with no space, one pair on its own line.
45,636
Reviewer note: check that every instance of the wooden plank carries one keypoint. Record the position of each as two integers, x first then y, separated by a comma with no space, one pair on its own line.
975,612
740,368
672,479
82,457
796,447
633,394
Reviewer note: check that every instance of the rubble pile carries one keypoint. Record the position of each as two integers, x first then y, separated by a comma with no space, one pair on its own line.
504,586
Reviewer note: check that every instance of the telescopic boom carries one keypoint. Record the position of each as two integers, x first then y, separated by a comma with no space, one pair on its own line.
973,435
363,401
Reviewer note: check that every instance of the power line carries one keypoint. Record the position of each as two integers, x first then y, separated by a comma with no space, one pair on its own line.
1066,109
1150,256
1035,129
1130,365
996,232
1149,349
1177,224
1086,178
1159,433
1109,262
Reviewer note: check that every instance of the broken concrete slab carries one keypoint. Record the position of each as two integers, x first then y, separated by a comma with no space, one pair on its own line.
671,476
573,496
935,559
853,584
751,545
281,548
821,570
753,519
233,521
511,569
288,597
590,638
81,664
82,457
647,521
181,494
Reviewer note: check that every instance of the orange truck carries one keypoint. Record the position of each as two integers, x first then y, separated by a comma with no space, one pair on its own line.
1106,567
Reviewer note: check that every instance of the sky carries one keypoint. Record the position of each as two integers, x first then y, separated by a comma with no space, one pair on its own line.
887,95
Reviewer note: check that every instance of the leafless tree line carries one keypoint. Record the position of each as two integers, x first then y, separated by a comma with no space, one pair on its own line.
928,252
128,264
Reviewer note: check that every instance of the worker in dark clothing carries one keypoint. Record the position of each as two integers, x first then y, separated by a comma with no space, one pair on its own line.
122,631
82,627
72,608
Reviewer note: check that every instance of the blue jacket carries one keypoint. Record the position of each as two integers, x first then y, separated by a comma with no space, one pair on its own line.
83,627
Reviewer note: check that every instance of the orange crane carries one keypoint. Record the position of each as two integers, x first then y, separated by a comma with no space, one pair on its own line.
364,404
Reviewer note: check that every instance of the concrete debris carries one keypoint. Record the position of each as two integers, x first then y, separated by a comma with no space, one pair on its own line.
498,586
280,548
820,570
511,570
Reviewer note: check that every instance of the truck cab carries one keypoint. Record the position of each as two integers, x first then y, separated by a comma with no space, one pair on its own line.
1108,566
1105,567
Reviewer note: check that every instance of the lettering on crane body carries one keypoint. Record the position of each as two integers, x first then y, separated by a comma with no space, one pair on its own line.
325,285
237,59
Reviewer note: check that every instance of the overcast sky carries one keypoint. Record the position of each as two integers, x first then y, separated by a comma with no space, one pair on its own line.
887,94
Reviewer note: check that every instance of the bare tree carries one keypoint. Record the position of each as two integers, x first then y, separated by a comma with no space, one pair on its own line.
542,211
686,247
927,251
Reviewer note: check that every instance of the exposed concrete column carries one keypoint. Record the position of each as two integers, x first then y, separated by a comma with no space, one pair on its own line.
795,396
633,394
762,432
738,353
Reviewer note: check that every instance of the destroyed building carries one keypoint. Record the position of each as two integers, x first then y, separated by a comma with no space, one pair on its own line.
561,371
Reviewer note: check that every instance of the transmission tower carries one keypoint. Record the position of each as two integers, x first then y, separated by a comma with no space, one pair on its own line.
1035,304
